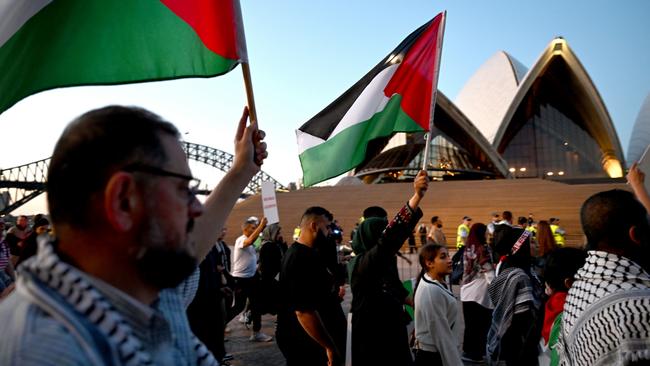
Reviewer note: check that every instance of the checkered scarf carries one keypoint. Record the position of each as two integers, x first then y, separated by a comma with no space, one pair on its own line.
607,313
90,304
511,293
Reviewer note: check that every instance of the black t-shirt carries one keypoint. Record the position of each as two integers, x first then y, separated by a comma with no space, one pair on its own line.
270,260
306,284
14,244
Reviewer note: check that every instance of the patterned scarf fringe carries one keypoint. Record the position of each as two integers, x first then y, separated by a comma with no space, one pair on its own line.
86,300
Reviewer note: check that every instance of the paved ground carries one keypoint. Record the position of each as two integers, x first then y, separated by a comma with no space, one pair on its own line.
267,354
255,353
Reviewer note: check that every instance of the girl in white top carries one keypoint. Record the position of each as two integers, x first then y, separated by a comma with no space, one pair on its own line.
436,311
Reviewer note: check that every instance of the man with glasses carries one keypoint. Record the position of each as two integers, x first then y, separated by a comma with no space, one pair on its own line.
113,286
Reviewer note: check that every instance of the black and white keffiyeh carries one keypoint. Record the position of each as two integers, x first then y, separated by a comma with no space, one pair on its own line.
89,304
606,317
511,293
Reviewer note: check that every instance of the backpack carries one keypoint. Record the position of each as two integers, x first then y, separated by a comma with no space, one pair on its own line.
457,267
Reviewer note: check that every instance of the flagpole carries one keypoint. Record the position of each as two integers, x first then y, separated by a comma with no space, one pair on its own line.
434,93
248,84
243,60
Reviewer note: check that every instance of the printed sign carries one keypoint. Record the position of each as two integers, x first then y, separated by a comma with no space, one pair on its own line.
270,203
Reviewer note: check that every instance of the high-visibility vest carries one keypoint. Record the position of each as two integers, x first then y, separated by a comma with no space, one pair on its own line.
557,235
460,242
296,233
532,229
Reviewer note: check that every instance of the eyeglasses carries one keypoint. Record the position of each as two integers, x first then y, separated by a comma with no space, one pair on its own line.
192,182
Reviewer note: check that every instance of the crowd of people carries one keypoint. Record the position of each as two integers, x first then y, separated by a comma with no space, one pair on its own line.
135,270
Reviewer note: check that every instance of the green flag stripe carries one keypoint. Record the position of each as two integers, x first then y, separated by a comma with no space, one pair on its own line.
92,42
348,148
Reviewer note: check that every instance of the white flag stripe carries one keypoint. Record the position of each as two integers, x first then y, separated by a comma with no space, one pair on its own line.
15,13
368,103
307,141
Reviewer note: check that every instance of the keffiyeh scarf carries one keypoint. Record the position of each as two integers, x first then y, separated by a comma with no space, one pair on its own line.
86,312
511,293
607,313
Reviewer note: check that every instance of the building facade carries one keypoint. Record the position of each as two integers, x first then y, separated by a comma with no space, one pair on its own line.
511,122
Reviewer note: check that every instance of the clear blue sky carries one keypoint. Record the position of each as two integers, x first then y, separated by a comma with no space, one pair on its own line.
304,54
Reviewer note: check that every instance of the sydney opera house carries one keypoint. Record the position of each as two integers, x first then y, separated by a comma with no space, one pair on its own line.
510,121
640,133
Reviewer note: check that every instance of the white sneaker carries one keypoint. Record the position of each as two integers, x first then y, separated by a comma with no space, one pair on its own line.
244,317
260,337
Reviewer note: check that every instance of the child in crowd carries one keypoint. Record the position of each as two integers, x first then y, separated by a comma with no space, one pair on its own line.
477,306
561,265
437,336
516,319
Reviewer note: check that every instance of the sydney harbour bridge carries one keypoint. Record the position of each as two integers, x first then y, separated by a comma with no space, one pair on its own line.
20,184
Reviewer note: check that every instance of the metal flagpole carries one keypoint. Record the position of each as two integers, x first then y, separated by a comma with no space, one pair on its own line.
434,92
245,67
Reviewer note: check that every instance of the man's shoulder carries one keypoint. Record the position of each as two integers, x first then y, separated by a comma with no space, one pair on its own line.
626,309
297,254
626,303
299,249
14,231
240,241
620,321
32,337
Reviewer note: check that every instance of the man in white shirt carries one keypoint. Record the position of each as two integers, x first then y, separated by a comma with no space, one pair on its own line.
244,273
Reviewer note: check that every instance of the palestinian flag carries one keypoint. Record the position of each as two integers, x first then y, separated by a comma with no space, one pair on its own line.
395,96
46,44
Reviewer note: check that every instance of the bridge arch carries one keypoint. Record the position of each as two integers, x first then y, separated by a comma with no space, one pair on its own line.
22,183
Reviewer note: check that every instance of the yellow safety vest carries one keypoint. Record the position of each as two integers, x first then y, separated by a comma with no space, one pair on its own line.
559,238
533,230
459,239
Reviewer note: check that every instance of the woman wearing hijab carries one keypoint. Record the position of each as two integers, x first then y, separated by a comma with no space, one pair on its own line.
477,306
379,335
514,331
270,260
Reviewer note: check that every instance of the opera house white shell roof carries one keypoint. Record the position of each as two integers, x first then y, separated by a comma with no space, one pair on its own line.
494,93
640,138
486,96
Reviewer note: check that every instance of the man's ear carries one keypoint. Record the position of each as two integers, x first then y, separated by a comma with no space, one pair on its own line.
568,282
313,226
634,234
121,201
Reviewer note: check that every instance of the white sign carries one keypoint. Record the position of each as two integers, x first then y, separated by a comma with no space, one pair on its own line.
270,203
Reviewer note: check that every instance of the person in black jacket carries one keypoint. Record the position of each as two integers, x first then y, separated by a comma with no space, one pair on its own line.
269,264
379,335
207,312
